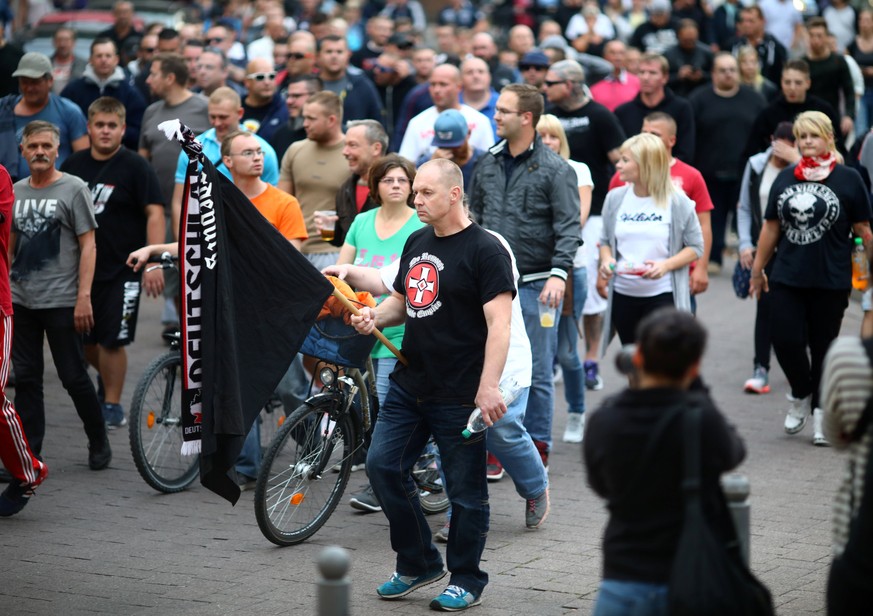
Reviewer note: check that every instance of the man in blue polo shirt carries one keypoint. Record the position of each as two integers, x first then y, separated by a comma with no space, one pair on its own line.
225,113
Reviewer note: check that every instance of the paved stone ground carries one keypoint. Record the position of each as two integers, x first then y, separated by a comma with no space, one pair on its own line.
106,543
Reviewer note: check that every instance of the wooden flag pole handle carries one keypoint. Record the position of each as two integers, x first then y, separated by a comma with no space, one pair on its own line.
379,335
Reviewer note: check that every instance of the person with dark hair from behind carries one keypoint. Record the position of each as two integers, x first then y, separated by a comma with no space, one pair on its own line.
638,551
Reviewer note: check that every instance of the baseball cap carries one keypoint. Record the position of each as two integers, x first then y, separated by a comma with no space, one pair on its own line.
554,41
34,65
660,6
534,58
401,40
450,129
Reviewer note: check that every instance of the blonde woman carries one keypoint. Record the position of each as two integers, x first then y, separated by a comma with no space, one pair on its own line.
813,208
750,73
650,236
554,137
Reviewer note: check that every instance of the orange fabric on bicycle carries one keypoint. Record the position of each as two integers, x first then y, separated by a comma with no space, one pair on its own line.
333,307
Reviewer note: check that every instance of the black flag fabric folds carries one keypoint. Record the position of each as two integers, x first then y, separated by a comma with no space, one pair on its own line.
249,300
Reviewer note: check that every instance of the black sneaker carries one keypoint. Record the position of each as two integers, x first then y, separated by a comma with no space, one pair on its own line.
99,454
16,495
365,501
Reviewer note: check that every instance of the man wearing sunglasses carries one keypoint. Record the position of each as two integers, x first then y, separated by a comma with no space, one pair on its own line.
264,109
533,66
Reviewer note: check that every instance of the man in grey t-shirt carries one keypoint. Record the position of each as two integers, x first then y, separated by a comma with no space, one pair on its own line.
51,273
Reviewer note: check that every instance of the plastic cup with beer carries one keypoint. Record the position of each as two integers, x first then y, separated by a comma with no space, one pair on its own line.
547,314
325,222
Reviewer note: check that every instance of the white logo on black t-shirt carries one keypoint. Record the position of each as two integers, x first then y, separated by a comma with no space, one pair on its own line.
807,212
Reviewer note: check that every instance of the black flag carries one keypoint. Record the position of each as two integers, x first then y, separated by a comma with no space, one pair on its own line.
249,300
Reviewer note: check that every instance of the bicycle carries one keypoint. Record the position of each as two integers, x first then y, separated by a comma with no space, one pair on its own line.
296,493
155,429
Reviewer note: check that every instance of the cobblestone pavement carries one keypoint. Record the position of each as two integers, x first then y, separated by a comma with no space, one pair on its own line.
106,543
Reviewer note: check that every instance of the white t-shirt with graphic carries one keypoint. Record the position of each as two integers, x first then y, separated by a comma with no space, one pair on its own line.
642,233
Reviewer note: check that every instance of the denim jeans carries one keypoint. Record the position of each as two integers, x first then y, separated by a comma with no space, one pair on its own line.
509,441
620,598
568,346
32,327
383,367
544,347
404,425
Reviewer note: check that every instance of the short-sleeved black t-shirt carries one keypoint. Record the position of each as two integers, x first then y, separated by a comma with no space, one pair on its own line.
121,188
446,281
592,132
816,218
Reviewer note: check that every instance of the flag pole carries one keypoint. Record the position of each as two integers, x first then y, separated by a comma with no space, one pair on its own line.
379,335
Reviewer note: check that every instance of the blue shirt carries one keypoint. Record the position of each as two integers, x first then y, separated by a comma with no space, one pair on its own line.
63,113
212,151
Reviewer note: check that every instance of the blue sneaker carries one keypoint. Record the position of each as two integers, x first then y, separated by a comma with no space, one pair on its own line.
113,415
401,585
454,599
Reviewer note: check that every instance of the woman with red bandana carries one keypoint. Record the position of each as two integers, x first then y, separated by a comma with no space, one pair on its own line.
812,208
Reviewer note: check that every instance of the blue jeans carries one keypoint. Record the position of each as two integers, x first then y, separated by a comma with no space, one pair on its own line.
510,442
619,598
544,347
568,343
404,426
383,367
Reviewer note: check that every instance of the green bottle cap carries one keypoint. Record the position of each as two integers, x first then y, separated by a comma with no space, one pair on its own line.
466,433
859,241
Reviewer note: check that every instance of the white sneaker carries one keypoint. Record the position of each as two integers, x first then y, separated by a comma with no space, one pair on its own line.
818,437
575,429
797,413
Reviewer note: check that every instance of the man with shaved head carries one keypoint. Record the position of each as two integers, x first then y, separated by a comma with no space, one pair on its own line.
476,88
445,91
264,109
456,342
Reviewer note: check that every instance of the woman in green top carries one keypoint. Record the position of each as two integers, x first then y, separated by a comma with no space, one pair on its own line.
376,238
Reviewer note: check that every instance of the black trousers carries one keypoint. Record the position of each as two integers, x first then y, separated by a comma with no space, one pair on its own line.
803,323
724,195
55,324
762,325
627,312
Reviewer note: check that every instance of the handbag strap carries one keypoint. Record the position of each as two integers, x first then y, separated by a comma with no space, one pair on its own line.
691,458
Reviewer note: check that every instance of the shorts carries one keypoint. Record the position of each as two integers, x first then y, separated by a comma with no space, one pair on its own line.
116,307
594,304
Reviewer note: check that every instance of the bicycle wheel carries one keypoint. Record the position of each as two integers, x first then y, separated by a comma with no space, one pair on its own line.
292,499
431,494
156,427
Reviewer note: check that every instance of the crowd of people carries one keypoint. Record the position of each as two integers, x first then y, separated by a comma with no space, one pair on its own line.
609,147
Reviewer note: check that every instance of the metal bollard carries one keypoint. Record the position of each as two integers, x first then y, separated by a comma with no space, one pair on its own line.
736,491
333,587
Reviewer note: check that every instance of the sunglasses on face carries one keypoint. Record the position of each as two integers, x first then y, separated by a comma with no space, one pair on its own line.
262,76
148,49
527,67
298,56
381,68
554,83
215,39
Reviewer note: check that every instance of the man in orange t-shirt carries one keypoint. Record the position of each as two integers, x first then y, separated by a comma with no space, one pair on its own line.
242,155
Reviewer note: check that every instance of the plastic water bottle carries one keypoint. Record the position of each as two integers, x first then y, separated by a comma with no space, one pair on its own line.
860,266
509,390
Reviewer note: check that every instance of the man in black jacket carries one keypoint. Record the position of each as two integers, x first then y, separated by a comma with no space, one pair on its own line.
530,195
794,99
366,141
656,96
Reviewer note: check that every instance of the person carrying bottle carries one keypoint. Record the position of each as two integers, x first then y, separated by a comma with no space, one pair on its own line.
454,292
812,207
